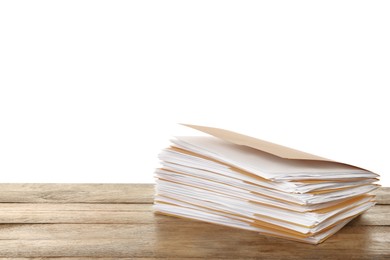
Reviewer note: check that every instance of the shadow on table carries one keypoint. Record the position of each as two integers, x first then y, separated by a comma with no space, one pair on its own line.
176,237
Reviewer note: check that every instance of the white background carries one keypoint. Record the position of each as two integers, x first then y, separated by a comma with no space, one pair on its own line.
91,91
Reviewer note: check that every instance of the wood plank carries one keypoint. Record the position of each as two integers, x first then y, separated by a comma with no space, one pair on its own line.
75,231
379,215
102,258
382,195
194,240
98,231
368,257
112,258
30,207
78,213
97,217
76,193
122,213
98,193
80,258
125,213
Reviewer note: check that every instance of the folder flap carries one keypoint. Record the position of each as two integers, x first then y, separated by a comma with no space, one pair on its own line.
240,139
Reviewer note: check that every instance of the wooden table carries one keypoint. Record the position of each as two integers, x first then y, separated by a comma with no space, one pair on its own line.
111,221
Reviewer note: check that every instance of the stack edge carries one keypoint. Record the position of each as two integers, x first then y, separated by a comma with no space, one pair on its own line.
216,181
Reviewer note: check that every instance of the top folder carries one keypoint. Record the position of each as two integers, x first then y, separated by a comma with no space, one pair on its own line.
262,145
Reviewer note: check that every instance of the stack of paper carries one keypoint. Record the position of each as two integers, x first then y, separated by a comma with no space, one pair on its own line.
243,182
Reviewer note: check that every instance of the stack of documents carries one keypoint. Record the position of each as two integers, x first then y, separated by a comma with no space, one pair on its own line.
239,181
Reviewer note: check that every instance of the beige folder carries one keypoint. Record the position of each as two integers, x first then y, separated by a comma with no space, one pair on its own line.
262,145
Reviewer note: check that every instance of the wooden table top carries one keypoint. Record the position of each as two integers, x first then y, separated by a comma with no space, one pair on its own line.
115,221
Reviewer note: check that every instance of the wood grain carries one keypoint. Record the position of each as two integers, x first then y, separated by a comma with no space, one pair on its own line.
125,214
115,221
76,193
99,193
382,195
194,239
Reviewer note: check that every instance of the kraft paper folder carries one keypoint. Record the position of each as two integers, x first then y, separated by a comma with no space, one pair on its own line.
243,182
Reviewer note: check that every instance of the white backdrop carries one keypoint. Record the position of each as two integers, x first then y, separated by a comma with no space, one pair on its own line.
90,91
